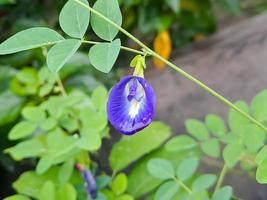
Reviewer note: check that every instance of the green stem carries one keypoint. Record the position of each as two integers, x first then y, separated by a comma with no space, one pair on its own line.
182,72
221,178
122,47
180,183
60,85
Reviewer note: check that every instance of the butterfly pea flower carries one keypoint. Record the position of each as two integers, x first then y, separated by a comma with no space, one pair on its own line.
88,178
131,104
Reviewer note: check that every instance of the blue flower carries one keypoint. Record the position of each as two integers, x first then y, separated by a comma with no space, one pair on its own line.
89,181
131,105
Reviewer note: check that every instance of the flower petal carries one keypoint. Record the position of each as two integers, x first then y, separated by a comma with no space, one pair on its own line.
131,105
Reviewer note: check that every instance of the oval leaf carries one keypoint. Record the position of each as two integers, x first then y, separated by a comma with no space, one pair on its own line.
160,168
59,54
180,143
197,129
74,19
48,191
261,173
187,168
204,182
119,184
104,55
211,147
224,193
111,10
30,39
215,124
259,106
21,130
166,191
231,154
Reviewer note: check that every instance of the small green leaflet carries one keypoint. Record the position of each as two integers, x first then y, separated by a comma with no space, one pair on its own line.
104,55
111,10
74,19
30,39
59,54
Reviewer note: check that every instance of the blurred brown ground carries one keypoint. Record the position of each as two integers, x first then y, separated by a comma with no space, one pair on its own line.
234,63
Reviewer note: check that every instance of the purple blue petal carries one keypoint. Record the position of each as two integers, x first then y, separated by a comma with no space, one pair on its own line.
131,105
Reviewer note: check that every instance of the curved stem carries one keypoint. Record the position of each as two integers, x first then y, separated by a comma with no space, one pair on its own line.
221,178
176,68
122,47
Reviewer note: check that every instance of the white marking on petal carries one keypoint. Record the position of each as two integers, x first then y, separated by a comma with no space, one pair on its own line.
134,109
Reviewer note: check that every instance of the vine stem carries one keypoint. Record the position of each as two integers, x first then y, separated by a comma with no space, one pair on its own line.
180,183
122,47
221,178
176,68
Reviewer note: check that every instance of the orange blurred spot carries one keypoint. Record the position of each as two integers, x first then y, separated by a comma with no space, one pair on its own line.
199,37
189,5
163,46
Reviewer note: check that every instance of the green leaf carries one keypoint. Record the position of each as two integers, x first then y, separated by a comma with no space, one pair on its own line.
119,184
259,106
93,120
12,107
236,121
224,193
57,151
254,138
261,155
104,55
197,129
45,89
65,171
47,191
174,5
90,140
166,191
48,124
30,183
211,147
129,149
67,192
17,197
44,164
125,197
30,39
232,153
99,98
68,122
111,10
60,53
187,168
141,182
161,168
26,149
74,19
21,130
261,173
34,114
215,124
204,182
180,143
102,181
